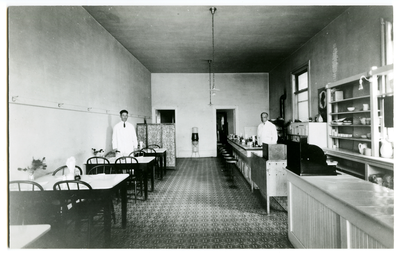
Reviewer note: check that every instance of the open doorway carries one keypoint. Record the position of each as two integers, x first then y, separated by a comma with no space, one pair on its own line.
165,116
225,124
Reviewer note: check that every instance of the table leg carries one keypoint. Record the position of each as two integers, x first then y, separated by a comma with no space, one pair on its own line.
145,179
152,175
165,162
124,201
107,220
161,166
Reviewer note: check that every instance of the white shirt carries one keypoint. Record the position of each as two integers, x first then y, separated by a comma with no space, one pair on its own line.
267,133
124,138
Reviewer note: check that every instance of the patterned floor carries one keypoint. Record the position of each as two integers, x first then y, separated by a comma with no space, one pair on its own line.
194,208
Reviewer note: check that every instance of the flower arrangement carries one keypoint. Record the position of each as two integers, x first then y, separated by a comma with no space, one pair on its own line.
35,165
99,152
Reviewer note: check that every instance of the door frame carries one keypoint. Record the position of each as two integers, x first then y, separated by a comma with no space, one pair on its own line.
235,110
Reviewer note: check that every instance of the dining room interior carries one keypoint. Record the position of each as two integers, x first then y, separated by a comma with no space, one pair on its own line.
195,79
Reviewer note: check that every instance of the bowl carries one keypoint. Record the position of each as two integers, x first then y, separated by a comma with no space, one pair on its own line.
364,136
350,109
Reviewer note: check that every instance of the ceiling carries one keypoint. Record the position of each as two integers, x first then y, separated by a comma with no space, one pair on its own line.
248,39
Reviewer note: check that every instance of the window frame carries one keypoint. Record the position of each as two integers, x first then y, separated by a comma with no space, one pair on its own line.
304,68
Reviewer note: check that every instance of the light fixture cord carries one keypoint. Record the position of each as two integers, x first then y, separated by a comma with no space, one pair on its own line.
209,77
213,9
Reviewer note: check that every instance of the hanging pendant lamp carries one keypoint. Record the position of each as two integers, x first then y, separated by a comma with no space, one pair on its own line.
213,88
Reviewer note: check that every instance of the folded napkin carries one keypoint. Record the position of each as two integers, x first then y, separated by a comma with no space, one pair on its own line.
71,167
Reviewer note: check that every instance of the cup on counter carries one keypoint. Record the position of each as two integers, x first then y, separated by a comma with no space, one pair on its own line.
368,152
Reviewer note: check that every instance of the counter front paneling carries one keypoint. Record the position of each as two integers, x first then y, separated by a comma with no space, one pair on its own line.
339,212
243,153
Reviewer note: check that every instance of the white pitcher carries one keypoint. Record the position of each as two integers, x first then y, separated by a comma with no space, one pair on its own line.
362,147
386,149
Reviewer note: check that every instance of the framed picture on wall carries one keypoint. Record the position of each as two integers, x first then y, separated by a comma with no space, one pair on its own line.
322,103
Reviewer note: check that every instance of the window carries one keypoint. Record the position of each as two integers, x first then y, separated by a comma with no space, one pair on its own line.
300,93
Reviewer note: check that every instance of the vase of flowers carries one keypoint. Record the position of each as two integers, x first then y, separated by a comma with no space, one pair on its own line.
99,152
35,165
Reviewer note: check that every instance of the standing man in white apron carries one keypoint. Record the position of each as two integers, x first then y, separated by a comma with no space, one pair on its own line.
124,137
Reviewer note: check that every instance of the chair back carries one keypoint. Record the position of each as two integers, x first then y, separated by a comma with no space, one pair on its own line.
126,159
25,210
148,150
71,185
103,169
24,185
137,153
97,160
153,146
62,169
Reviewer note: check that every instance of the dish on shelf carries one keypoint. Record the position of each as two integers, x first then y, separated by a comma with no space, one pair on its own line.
346,123
364,136
350,109
337,123
365,121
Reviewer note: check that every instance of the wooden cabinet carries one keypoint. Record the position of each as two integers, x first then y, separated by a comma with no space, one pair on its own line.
357,124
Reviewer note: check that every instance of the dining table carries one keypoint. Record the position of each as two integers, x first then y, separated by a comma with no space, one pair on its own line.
104,188
21,236
145,165
162,153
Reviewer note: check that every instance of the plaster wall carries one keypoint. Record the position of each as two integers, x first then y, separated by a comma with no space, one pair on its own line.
350,45
189,95
61,55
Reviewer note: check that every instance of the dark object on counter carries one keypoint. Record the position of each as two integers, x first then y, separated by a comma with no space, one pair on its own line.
307,160
274,151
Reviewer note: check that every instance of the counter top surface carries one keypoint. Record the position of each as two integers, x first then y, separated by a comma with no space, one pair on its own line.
368,198
245,147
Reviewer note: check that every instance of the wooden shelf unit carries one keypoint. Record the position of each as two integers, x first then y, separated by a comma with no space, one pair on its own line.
343,140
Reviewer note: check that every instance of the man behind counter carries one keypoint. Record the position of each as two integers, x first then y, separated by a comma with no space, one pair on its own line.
266,131
124,137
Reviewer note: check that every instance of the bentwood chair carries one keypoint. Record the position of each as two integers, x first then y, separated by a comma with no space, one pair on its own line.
137,153
27,211
97,160
62,170
158,162
135,177
75,209
105,169
153,146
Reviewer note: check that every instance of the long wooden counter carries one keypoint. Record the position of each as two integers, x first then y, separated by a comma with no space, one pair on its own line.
243,154
339,212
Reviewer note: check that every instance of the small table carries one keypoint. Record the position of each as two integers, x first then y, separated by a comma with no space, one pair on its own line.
160,152
104,186
22,235
145,164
